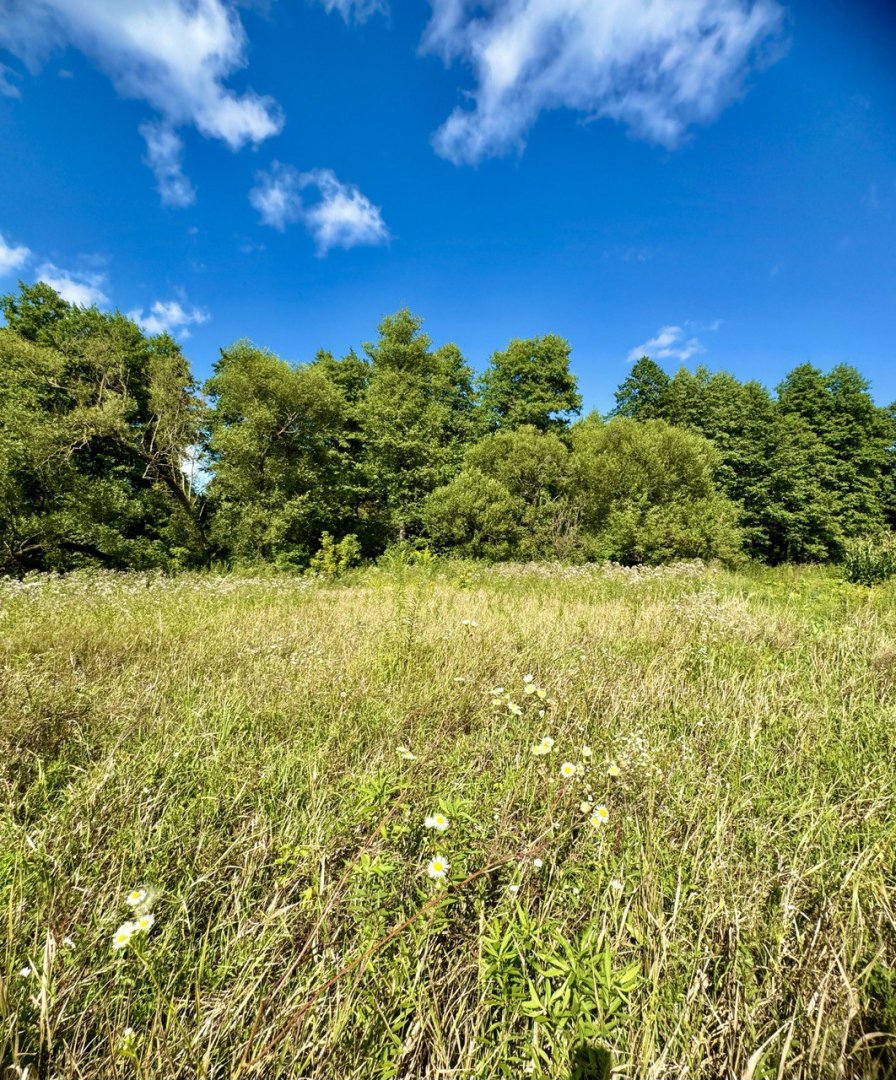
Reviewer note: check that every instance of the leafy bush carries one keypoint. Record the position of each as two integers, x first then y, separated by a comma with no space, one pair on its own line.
647,493
475,515
870,560
335,557
415,552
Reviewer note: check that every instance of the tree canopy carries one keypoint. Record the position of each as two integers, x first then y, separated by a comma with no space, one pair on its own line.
111,454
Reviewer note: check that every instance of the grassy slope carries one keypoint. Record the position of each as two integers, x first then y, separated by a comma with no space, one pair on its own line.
230,745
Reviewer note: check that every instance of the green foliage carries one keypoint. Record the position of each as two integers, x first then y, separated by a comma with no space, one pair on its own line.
280,474
333,558
641,395
530,383
646,493
870,560
108,454
415,417
810,469
509,499
96,421
474,515
568,988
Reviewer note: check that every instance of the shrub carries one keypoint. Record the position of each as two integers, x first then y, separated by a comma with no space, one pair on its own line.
334,558
870,560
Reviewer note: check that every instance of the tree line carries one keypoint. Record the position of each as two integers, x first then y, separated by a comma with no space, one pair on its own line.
111,454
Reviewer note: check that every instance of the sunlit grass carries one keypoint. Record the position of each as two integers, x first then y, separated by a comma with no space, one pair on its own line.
449,821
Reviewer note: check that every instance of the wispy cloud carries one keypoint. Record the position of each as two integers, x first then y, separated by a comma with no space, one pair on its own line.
277,196
7,88
658,68
338,214
83,287
356,10
176,55
670,343
163,155
169,317
12,256
342,216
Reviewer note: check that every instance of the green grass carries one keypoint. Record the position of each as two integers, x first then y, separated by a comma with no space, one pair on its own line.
230,745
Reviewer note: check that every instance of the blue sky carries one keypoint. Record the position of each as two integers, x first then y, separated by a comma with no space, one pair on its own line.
710,181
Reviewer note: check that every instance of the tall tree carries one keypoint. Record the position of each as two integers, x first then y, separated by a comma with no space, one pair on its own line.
277,445
839,409
641,395
415,417
96,420
530,383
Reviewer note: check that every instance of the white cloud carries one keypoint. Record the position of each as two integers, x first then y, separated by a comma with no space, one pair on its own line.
169,317
670,343
277,196
12,256
163,153
656,67
176,55
356,10
341,216
7,88
77,286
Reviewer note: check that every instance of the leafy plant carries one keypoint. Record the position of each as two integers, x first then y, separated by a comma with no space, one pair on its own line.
334,557
870,560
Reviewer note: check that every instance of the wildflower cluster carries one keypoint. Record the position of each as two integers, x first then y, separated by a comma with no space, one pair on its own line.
501,698
598,814
140,901
438,866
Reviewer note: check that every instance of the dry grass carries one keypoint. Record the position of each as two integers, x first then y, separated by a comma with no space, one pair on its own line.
230,745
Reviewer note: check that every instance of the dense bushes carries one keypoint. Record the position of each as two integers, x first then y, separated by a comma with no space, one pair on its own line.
870,560
404,444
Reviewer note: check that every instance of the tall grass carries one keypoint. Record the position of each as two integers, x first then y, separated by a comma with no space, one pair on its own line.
230,746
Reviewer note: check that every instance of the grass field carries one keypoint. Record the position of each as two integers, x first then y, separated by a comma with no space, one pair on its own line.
230,747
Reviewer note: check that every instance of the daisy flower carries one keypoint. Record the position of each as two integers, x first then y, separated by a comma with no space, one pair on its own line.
537,863
135,898
122,936
567,769
436,821
438,868
145,923
600,816
614,770
544,747
528,678
586,751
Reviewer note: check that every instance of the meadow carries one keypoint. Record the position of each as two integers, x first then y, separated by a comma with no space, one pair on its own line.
448,821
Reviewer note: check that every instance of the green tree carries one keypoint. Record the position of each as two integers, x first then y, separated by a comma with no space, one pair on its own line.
771,464
530,383
415,417
508,500
646,492
839,409
96,420
641,395
279,471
